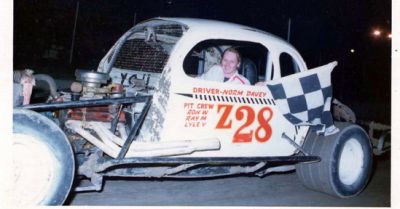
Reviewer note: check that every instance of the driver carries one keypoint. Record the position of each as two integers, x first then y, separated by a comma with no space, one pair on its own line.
227,70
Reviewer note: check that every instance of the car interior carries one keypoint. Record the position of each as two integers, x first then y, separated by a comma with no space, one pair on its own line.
208,53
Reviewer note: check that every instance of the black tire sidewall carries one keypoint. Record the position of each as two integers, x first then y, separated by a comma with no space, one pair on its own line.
41,128
340,188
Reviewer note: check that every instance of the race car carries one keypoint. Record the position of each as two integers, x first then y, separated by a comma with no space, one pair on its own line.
145,112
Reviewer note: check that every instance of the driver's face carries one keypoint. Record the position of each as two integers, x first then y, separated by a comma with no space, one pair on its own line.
230,63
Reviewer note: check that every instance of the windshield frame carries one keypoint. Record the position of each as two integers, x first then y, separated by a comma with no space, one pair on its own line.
141,31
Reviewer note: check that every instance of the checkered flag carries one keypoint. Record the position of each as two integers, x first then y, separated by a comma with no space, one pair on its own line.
305,98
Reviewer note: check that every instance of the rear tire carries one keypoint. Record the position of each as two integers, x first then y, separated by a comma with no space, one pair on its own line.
346,161
43,160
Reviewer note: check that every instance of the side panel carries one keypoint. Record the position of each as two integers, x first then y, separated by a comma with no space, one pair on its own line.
244,118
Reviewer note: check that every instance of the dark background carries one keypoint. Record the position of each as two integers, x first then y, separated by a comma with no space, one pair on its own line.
322,31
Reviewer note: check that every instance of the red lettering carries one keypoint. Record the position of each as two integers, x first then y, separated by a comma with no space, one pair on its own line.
240,135
226,110
264,125
245,113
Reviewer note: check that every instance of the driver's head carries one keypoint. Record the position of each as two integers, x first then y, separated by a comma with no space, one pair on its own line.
230,62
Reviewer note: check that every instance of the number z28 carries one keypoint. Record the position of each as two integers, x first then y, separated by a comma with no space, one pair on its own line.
263,131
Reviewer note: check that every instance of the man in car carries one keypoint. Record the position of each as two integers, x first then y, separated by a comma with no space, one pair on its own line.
227,70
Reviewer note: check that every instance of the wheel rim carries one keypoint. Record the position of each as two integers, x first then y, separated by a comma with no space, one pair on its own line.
351,162
34,170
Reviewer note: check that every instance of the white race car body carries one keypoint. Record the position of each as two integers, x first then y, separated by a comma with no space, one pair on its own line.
159,117
244,118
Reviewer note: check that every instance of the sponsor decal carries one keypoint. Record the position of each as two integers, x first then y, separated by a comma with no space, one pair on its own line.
233,109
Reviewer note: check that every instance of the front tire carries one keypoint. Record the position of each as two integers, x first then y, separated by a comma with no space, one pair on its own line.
346,161
43,160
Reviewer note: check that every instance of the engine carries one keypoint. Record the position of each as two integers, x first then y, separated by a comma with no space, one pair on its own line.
93,85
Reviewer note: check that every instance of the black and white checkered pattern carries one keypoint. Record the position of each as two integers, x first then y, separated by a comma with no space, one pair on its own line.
231,99
305,98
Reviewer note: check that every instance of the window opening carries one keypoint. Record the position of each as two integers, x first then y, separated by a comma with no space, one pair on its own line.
208,53
288,65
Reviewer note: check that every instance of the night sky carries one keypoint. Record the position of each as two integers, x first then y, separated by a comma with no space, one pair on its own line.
322,31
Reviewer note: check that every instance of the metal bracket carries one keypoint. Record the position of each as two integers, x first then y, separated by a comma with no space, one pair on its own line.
133,132
291,141
86,169
86,103
283,168
96,184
